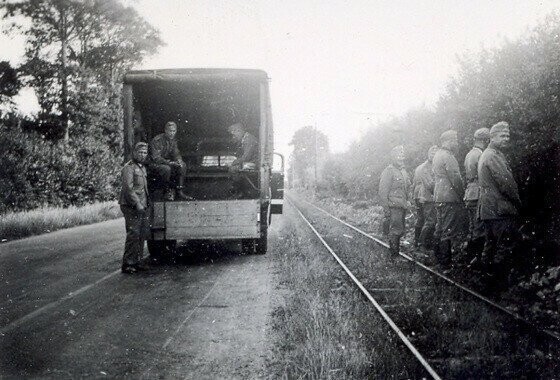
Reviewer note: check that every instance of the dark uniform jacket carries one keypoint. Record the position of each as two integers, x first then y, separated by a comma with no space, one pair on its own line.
394,187
471,174
423,183
448,181
134,190
499,197
164,150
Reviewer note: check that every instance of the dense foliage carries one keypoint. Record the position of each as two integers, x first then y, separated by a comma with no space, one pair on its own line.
517,82
76,49
36,172
75,54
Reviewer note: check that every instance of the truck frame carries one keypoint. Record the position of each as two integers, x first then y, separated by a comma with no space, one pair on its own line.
227,205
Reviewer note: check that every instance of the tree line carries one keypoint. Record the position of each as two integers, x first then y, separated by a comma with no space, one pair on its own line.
518,82
76,52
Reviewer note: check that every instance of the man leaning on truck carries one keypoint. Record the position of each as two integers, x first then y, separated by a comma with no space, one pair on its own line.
166,164
134,203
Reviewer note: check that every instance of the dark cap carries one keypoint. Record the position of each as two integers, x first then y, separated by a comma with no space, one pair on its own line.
502,126
482,134
141,145
448,136
433,149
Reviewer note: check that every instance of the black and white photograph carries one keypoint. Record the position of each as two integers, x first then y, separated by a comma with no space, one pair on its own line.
266,189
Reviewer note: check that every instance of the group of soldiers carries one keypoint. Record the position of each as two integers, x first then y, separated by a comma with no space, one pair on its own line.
162,161
441,197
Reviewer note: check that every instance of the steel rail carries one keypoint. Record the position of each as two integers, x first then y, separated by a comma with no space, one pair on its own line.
442,276
391,323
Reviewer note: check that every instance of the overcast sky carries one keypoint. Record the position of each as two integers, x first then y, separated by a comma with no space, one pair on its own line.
332,63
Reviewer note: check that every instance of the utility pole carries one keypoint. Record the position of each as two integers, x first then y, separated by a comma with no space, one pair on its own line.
315,153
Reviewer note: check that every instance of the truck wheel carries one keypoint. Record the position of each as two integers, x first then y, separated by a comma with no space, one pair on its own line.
161,248
248,246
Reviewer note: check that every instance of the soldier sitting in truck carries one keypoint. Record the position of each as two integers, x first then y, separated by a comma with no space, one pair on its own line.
249,148
166,165
242,184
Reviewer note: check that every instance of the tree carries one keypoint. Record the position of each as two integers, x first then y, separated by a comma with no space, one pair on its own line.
311,149
9,85
73,42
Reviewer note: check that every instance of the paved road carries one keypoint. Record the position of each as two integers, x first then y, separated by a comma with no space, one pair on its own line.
67,311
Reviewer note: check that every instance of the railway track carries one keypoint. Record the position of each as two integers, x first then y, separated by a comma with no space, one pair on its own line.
452,331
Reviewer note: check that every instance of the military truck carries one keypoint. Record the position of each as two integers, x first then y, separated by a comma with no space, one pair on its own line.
227,204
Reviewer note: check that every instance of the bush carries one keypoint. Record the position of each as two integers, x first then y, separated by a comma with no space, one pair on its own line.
35,172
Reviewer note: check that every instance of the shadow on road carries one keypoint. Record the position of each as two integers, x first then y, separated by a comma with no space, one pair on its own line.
195,254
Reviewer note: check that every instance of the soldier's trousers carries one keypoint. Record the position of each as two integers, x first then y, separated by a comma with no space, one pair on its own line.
170,176
136,223
426,230
500,240
476,226
449,221
394,223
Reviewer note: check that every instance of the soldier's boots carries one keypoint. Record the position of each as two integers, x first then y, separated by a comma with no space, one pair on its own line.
394,245
443,252
475,246
417,235
182,196
169,195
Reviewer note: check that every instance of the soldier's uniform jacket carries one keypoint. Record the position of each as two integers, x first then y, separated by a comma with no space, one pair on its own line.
471,174
394,187
134,189
448,181
423,183
499,196
163,150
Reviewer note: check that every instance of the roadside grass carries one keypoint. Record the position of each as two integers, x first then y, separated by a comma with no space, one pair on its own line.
325,328
535,296
459,334
17,225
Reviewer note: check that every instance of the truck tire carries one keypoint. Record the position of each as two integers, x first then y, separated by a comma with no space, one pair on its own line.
161,248
248,246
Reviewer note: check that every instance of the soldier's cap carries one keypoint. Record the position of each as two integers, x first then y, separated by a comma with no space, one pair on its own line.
482,134
397,150
141,145
448,136
433,149
497,128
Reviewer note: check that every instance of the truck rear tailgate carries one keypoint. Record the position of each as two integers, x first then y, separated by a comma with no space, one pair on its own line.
229,219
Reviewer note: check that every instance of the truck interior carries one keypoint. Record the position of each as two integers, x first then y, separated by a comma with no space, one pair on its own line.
203,110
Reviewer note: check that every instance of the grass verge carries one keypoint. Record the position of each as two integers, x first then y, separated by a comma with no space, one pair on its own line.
17,225
535,296
324,328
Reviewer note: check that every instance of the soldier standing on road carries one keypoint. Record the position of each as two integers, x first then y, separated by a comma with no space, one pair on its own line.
394,189
423,185
476,227
134,203
448,197
167,164
499,201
